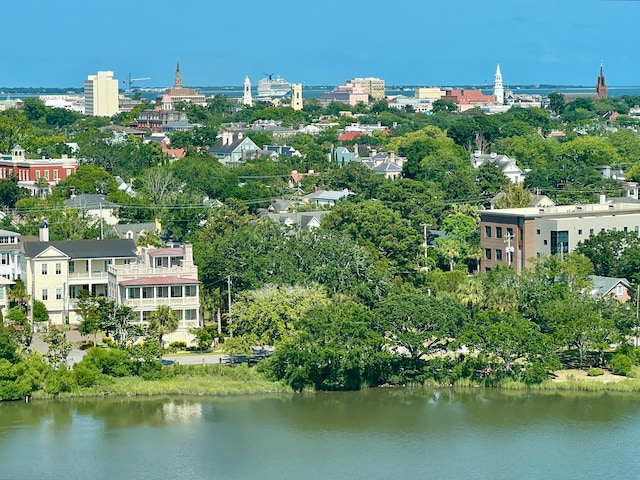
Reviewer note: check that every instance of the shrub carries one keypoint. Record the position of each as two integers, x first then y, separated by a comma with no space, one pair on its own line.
620,364
108,341
176,346
61,380
595,372
86,373
110,361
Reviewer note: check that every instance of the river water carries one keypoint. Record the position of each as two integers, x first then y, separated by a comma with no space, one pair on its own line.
373,434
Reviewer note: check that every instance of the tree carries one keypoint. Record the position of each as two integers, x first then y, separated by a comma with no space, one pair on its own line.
117,322
336,349
420,324
507,337
441,105
87,308
18,295
451,249
556,102
59,348
273,312
40,313
10,193
163,321
19,326
203,336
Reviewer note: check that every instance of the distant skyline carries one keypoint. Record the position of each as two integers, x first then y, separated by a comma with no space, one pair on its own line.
405,42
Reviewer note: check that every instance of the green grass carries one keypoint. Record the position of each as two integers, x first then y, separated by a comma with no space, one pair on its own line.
186,380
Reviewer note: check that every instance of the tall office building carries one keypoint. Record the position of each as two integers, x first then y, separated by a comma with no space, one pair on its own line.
371,85
101,95
296,96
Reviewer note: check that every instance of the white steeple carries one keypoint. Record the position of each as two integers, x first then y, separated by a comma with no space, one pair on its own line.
498,88
246,96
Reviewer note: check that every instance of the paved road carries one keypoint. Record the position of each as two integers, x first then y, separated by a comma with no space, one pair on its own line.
196,359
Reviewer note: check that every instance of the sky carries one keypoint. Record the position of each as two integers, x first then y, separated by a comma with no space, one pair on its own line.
46,43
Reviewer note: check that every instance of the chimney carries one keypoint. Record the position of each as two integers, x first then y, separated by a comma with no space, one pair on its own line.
44,231
477,153
188,254
494,154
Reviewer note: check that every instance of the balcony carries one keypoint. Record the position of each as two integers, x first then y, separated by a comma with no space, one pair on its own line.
88,276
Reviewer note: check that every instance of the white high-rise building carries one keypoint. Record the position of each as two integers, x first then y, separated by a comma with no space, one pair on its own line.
101,95
247,99
498,88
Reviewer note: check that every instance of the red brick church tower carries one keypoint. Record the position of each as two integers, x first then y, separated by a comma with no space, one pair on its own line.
601,86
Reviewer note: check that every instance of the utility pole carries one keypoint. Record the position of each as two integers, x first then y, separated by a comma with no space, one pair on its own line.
426,245
229,298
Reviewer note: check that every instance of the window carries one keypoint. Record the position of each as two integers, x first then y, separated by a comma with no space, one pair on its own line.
498,255
55,175
487,254
37,174
134,292
58,269
637,229
190,290
546,243
106,265
626,229
58,294
46,174
618,290
591,231
190,314
498,232
559,242
4,258
45,295
68,172
145,316
162,292
158,262
579,232
538,231
72,267
44,268
510,232
487,231
147,292
2,293
176,291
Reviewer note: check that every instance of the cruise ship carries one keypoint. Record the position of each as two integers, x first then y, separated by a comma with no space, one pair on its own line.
271,86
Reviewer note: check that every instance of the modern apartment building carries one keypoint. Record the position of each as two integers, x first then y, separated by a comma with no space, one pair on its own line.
101,95
516,235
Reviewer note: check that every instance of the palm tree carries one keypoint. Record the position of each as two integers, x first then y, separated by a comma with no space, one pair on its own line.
18,295
450,249
163,321
471,293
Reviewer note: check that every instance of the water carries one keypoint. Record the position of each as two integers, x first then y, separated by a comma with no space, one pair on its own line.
378,433
374,434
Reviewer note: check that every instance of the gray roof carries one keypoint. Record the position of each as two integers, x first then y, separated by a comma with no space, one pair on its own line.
89,201
327,195
604,285
299,218
220,149
109,248
137,228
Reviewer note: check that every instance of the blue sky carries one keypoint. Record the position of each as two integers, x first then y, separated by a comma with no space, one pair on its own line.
406,42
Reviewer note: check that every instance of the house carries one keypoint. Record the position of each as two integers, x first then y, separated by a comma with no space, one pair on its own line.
537,200
275,151
506,165
5,286
56,272
95,205
384,163
10,244
233,149
304,220
617,288
343,155
326,198
162,276
177,126
134,230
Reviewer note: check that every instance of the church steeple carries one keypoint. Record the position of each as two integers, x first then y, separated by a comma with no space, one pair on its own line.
177,83
601,85
498,88
246,96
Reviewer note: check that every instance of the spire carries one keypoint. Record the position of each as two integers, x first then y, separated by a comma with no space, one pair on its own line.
601,85
177,83
498,87
246,97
